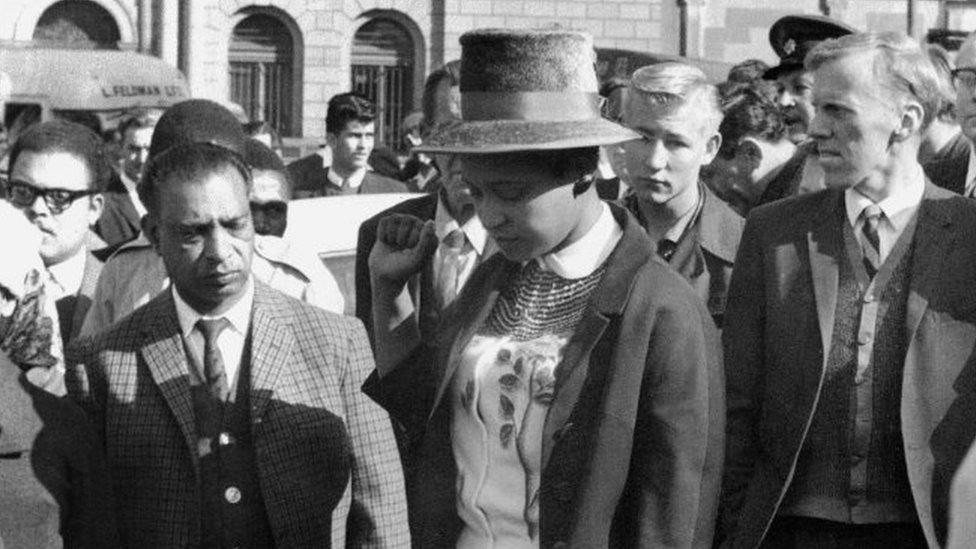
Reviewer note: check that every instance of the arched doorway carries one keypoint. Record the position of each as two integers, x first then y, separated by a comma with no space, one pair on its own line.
383,67
77,24
263,72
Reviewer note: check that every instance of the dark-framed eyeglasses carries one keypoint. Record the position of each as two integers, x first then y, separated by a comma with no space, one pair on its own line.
23,195
964,78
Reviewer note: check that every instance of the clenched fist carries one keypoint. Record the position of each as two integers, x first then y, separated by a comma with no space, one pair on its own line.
403,244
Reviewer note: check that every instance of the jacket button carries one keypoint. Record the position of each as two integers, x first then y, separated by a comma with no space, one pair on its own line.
224,439
232,495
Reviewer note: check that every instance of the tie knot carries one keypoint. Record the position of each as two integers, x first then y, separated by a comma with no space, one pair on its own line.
872,212
212,327
666,248
455,239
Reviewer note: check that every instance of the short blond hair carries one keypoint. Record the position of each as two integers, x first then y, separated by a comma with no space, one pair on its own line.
899,65
672,83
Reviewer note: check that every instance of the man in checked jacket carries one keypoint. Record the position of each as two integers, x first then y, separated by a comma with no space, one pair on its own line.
231,414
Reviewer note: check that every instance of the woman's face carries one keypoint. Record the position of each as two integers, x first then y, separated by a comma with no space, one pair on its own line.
527,210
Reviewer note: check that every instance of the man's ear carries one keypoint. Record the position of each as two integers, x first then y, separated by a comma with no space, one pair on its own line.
330,140
910,123
96,205
748,155
712,146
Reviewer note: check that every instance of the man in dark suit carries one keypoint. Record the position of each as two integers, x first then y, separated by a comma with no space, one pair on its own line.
792,37
853,325
349,129
676,110
957,172
58,171
232,414
120,221
450,208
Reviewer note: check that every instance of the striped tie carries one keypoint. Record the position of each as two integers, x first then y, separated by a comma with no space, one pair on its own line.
871,245
213,360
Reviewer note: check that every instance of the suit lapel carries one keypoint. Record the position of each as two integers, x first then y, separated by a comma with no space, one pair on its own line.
933,239
93,266
608,301
165,358
826,247
469,311
271,348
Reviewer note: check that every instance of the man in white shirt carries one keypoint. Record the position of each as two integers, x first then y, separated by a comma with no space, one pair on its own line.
960,175
244,421
57,173
464,243
123,210
851,324
350,135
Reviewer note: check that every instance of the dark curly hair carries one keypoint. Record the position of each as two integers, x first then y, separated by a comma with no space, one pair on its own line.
75,139
749,113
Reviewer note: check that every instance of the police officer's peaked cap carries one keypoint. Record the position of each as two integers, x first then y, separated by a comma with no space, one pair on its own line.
198,121
793,36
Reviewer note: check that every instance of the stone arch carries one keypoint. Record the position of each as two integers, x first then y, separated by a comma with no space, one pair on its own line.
277,19
31,15
380,32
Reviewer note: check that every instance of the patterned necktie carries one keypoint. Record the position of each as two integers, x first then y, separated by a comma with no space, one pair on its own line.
213,360
871,246
666,248
453,261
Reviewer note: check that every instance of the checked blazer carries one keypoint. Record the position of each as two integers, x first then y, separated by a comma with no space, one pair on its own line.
325,455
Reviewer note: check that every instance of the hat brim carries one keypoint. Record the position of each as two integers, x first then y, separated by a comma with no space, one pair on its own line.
773,73
502,136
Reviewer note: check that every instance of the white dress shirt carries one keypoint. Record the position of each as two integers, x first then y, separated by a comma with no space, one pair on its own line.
470,256
131,188
970,190
355,179
581,258
231,339
898,209
65,277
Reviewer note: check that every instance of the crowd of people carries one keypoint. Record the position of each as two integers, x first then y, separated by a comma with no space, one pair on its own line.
652,312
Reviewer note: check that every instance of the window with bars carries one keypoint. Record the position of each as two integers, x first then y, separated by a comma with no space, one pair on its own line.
382,70
261,77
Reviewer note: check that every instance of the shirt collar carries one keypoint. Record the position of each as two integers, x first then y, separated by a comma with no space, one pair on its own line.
239,315
475,232
581,258
898,207
970,173
355,178
677,230
69,273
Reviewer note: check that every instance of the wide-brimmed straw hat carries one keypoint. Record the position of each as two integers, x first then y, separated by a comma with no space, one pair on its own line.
526,90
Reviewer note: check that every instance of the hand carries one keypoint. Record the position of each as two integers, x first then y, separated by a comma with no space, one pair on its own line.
403,244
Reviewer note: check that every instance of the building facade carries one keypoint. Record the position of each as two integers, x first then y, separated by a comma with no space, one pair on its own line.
281,60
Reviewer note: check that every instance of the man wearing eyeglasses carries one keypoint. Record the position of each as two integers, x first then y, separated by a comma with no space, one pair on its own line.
57,173
961,176
677,111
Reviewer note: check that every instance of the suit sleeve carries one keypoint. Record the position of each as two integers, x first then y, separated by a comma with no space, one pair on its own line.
364,289
378,517
86,383
744,346
680,430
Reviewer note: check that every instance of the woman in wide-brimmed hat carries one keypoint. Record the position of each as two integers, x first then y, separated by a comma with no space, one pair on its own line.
574,395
